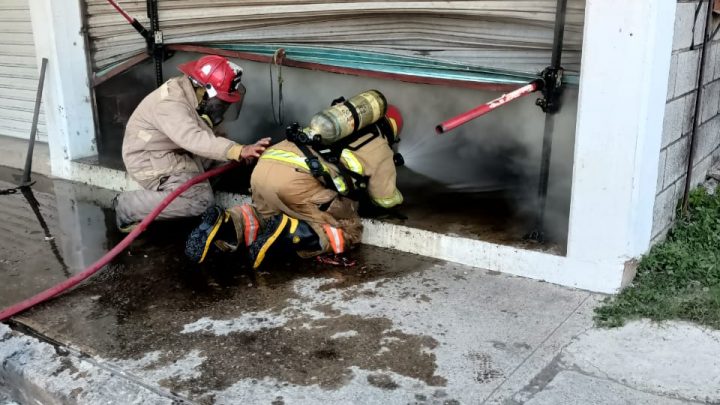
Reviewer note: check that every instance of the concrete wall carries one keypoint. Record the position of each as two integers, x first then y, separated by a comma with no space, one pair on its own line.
14,153
679,114
67,99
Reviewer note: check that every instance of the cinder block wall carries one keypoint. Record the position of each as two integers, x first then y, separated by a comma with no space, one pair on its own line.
679,113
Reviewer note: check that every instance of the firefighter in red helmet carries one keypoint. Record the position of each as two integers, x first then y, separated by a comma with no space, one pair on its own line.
172,136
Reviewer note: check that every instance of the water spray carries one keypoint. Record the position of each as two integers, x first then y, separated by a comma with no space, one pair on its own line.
550,83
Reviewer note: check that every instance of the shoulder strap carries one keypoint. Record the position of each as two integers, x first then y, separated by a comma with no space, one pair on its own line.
316,168
355,183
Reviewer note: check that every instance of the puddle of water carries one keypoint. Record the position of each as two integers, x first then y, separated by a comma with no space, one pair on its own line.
144,300
34,205
47,233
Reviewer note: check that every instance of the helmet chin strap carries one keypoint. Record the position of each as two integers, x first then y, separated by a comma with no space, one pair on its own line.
211,110
207,120
200,93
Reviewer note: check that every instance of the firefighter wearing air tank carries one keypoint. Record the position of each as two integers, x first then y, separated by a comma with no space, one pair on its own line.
305,189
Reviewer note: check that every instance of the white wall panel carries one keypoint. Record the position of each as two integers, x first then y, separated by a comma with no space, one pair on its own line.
18,72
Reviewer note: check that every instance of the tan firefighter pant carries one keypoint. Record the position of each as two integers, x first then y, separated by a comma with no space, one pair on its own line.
133,206
279,188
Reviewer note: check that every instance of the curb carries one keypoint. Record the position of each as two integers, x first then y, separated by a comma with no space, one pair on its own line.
33,371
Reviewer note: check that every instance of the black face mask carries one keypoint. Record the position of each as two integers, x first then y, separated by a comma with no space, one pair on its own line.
214,109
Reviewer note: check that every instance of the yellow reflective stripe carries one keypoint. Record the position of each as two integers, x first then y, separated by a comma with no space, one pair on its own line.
283,156
391,201
340,185
394,126
351,161
289,157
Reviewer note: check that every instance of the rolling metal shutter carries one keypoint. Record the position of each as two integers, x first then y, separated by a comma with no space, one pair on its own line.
511,35
18,72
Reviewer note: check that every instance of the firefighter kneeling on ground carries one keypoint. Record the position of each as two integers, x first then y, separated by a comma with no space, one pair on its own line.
170,138
306,189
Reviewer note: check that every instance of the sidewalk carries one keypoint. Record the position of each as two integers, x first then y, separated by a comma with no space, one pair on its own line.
396,329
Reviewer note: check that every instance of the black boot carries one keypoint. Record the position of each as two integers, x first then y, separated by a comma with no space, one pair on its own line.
283,233
303,238
201,238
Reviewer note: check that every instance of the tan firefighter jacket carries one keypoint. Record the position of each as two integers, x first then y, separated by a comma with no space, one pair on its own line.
165,131
374,160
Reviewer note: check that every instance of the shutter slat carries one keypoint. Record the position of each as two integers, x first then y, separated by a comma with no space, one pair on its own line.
18,72
501,33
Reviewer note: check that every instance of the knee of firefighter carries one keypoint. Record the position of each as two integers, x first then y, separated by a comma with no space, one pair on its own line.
121,206
343,208
202,198
352,230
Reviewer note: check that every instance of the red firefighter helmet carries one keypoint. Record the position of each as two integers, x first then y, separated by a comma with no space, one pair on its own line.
220,77
393,114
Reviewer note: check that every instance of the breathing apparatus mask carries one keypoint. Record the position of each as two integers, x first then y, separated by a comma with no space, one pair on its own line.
213,110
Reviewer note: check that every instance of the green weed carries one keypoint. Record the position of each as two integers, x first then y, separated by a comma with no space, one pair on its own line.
680,277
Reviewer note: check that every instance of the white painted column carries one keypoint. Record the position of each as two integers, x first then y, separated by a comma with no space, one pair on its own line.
83,239
57,29
625,67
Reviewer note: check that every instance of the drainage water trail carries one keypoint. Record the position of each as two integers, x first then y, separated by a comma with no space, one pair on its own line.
98,265
35,206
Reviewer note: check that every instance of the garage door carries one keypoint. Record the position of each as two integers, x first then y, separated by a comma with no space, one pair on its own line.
510,35
18,71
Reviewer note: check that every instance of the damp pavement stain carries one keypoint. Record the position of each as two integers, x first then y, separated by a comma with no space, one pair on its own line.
396,328
26,259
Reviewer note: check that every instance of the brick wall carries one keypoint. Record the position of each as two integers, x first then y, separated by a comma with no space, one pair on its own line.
679,112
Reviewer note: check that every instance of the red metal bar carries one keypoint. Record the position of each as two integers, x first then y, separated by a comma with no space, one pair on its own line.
121,11
132,20
286,61
483,109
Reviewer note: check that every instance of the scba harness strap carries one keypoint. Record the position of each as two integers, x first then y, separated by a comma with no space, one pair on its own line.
342,186
351,170
348,183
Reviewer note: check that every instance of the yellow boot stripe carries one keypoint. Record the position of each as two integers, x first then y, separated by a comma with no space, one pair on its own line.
261,256
223,218
293,224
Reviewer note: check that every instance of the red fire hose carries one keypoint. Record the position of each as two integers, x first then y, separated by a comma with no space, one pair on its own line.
483,109
95,267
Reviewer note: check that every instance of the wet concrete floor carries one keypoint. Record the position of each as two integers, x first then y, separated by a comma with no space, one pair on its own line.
397,327
488,216
29,255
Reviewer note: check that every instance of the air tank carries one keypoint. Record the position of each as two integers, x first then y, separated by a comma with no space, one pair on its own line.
345,118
